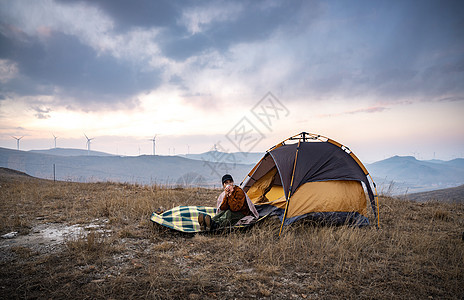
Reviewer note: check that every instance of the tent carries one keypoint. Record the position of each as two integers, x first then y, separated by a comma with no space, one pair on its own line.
312,176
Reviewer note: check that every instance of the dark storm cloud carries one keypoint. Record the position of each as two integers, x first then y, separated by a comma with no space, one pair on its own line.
384,49
60,64
387,49
139,13
63,62
254,23
420,53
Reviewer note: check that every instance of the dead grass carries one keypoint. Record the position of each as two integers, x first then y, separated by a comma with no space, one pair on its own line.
416,254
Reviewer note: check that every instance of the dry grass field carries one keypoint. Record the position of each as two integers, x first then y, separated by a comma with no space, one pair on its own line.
455,194
109,249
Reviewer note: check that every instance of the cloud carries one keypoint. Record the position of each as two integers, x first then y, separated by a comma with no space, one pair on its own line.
199,18
369,51
99,54
218,26
8,70
68,68
369,110
79,61
372,109
42,113
138,13
451,99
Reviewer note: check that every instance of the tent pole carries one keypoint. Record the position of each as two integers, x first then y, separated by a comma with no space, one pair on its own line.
252,170
290,190
376,202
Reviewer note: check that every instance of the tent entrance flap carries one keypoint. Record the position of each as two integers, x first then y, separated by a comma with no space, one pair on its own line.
276,192
261,187
262,168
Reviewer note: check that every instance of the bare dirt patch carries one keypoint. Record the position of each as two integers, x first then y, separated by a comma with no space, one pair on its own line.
47,238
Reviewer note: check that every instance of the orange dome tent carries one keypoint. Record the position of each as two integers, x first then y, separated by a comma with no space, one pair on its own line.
311,176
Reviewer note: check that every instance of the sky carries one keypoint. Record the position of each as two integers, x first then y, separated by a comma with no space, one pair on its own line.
384,78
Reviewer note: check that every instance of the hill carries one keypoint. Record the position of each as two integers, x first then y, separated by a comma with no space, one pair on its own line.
407,174
234,157
70,152
452,195
6,173
96,241
145,169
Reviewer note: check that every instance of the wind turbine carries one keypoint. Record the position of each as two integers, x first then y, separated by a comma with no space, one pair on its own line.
17,140
154,141
54,137
88,143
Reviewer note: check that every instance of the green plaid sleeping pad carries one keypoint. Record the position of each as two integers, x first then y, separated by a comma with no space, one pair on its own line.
183,218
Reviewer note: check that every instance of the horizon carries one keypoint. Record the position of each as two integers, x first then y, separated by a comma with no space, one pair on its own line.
185,155
383,78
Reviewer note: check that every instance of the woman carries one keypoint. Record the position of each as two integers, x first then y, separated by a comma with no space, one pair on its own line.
233,205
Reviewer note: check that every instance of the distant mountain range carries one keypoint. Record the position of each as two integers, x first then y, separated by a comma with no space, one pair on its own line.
405,174
235,157
144,169
397,175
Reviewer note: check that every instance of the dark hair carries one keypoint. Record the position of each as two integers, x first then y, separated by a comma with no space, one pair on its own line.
227,177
